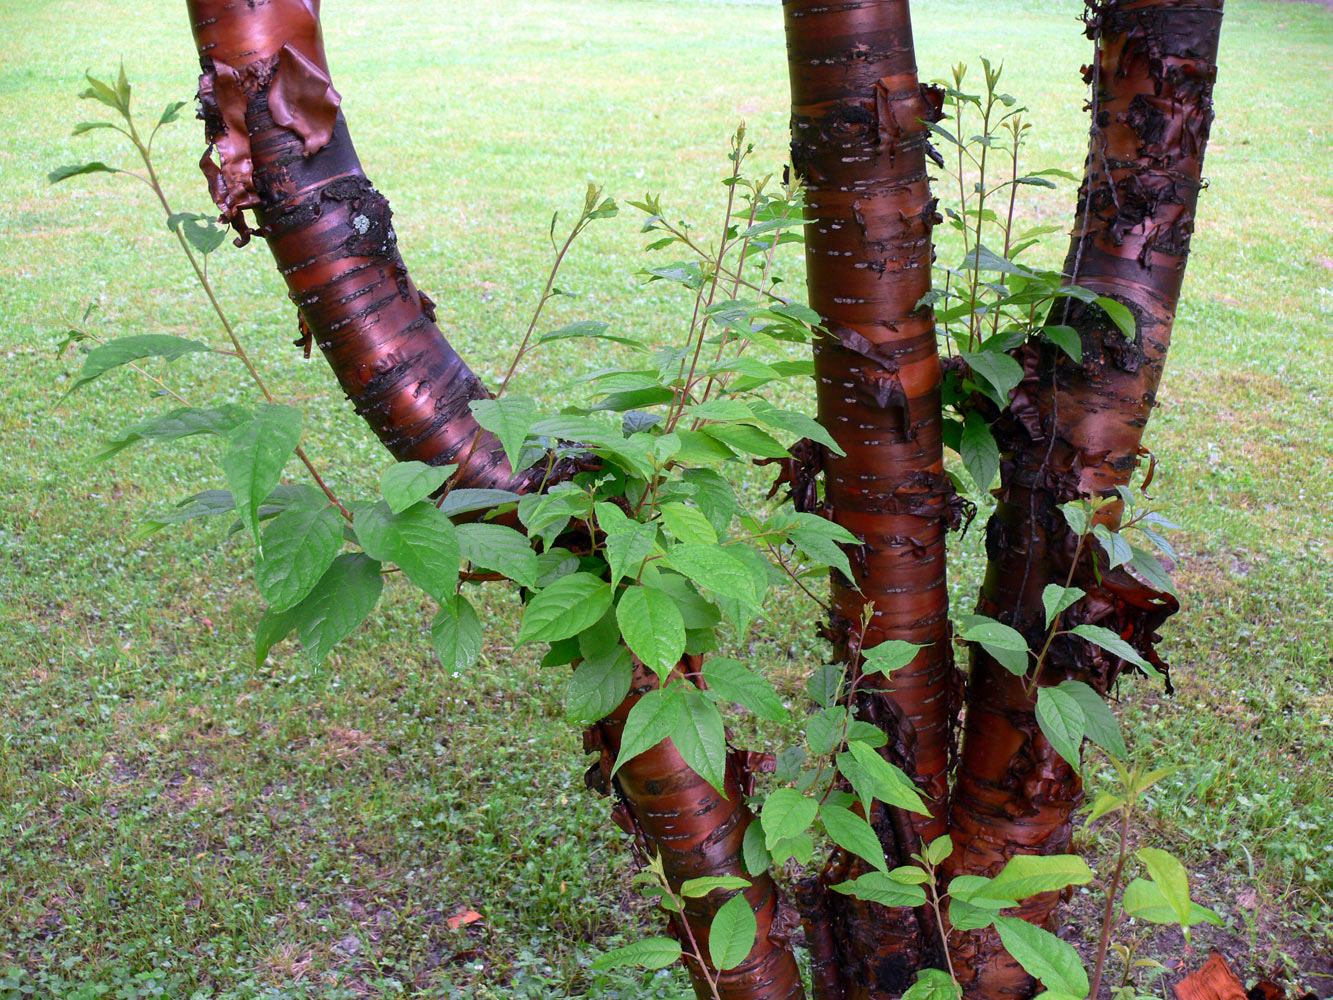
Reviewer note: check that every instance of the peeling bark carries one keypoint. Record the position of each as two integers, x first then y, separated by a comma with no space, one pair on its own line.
283,152
1075,430
859,142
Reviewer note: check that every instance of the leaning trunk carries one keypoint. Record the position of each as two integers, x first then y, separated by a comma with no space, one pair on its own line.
284,153
859,143
1075,430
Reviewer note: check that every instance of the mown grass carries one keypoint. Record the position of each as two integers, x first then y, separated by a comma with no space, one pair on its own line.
174,820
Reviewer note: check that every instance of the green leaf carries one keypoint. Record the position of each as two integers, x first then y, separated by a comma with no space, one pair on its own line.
171,112
1027,875
598,686
824,727
786,814
1043,955
889,656
405,483
939,849
1056,598
981,455
1100,723
652,719
628,544
932,984
688,524
1147,566
342,600
877,887
1118,550
647,953
179,423
587,330
298,547
509,419
1145,900
1171,878
422,541
1005,644
852,833
1119,314
1000,370
75,169
501,549
456,634
568,606
754,851
99,91
697,888
126,350
747,439
732,681
794,422
701,740
714,568
911,874
1062,721
1067,339
966,916
820,538
256,452
888,783
652,627
200,231
732,933
1114,645
272,628
85,127
457,502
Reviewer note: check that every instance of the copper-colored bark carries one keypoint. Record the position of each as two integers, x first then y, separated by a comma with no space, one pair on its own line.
677,815
1075,430
859,143
284,153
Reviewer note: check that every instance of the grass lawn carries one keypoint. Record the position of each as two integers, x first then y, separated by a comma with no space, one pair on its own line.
175,822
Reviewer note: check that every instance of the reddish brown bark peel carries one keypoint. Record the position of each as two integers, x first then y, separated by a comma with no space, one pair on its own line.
284,153
1076,430
859,142
675,814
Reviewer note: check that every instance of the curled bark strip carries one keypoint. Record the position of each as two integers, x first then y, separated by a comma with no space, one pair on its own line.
859,142
283,152
1075,430
678,816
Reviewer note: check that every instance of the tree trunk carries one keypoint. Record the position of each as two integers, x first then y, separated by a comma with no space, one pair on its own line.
859,143
271,112
677,815
1075,430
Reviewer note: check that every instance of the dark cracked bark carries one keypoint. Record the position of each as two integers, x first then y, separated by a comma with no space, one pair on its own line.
284,154
859,143
1075,430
